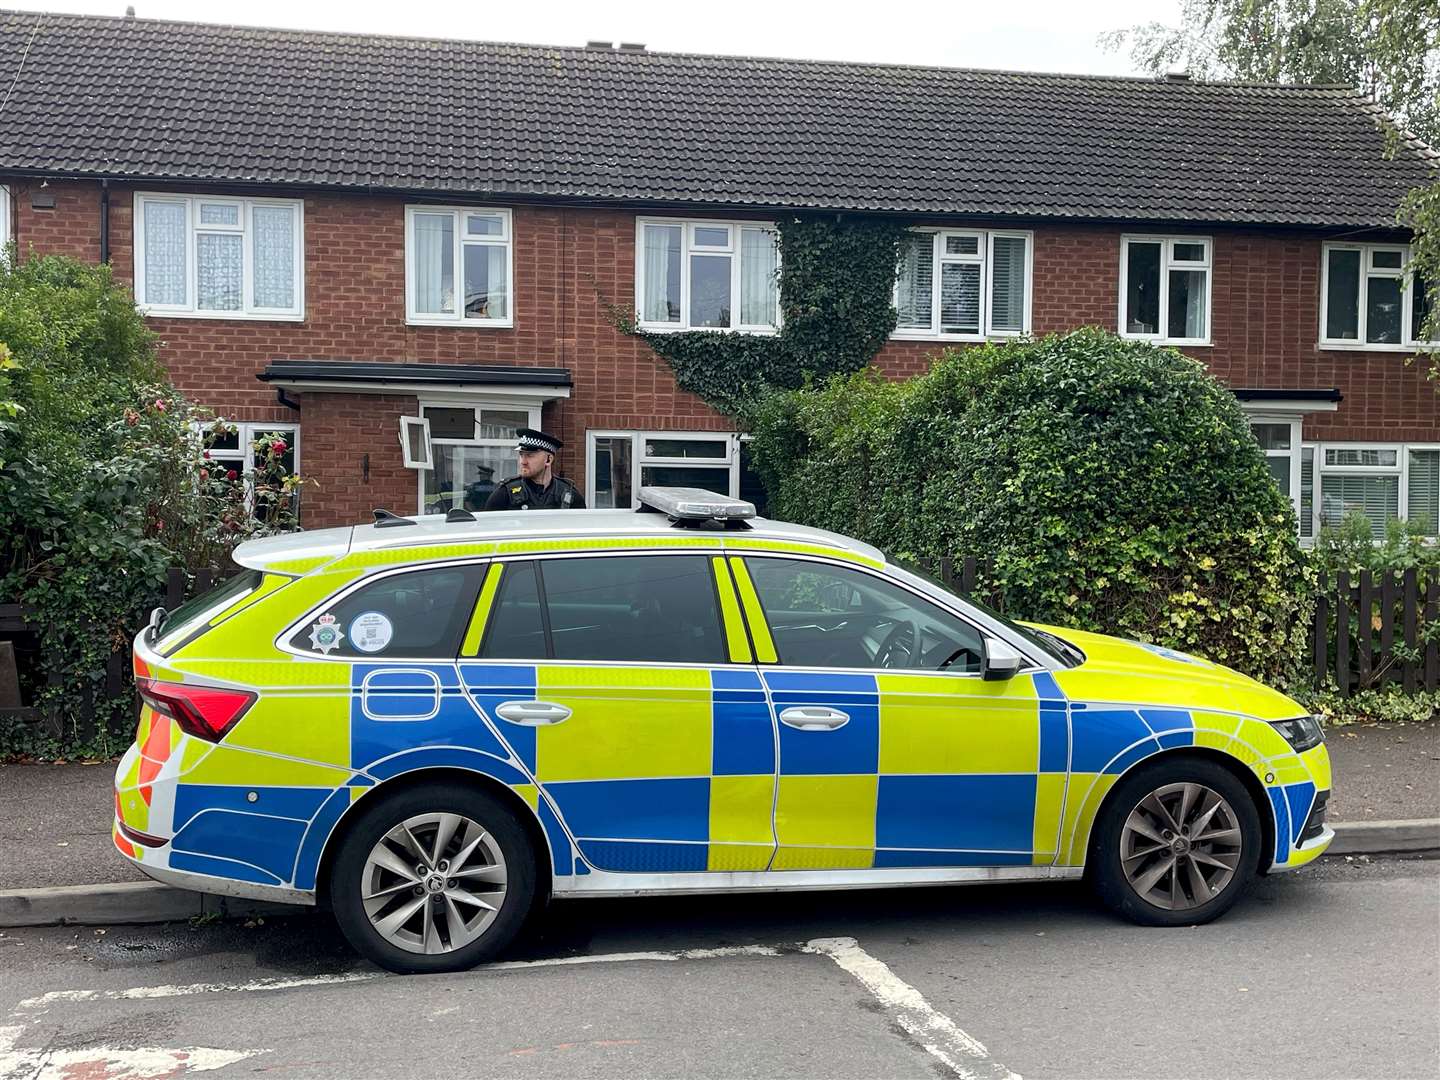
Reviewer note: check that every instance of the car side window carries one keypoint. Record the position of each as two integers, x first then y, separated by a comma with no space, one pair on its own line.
419,614
516,630
821,615
633,608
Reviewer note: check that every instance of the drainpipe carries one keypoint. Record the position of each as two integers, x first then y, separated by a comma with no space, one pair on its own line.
105,221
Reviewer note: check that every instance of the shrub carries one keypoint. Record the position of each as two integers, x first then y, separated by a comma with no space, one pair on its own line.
103,485
1104,484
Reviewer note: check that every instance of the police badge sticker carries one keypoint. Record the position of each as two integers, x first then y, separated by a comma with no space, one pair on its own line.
326,635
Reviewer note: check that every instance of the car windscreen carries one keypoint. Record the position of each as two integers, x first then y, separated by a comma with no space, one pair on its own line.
198,610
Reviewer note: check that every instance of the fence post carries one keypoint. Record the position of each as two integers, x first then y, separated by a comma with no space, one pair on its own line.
947,572
1319,633
1342,632
202,581
967,575
174,587
1365,628
1409,600
1387,628
1432,647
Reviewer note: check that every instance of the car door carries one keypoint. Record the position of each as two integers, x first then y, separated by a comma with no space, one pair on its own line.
894,751
624,683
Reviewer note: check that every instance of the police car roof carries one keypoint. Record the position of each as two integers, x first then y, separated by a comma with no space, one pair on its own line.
433,529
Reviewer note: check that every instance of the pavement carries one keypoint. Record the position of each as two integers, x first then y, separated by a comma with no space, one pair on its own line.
1330,972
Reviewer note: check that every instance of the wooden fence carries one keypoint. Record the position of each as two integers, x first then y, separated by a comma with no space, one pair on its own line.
1373,630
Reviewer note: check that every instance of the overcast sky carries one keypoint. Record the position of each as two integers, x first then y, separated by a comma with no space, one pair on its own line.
1034,35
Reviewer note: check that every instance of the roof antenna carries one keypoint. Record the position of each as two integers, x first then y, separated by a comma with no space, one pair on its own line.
384,519
130,11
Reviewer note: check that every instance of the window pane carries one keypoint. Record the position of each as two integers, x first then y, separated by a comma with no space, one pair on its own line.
464,476
1342,297
1280,471
644,608
759,287
960,298
1187,252
501,423
1307,491
274,256
1187,304
1420,304
451,423
830,616
914,290
1422,498
962,245
1377,497
435,264
1386,259
1142,289
709,290
515,631
219,214
1271,436
219,271
484,225
1007,283
712,236
661,274
487,293
708,478
166,242
1368,457
612,472
420,614
1382,310
688,448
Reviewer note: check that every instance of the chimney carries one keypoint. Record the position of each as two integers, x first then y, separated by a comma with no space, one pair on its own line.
130,12
631,46
597,45
1177,76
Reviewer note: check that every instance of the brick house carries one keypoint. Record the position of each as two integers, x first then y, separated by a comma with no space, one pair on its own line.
333,232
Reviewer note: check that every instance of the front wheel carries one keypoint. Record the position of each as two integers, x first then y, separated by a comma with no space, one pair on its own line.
433,879
1177,844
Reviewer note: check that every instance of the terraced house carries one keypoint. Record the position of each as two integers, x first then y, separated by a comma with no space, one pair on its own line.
333,233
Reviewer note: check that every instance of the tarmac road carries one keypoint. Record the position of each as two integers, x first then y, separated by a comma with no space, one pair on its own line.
1329,972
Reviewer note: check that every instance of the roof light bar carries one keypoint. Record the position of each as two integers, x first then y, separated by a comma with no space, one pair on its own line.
695,504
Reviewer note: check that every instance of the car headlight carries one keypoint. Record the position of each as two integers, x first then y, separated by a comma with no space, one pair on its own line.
1303,733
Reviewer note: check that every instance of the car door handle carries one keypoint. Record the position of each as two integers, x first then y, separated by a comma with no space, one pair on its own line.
532,713
813,718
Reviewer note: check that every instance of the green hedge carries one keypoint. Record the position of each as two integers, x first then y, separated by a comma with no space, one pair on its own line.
1105,484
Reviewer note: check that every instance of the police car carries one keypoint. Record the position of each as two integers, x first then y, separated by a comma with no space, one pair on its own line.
433,725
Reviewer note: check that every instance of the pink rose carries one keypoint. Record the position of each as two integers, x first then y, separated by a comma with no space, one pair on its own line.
278,446
230,474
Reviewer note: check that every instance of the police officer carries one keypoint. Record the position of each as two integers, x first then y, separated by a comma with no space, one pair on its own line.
537,487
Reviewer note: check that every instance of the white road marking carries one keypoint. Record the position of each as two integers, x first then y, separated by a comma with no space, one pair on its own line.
941,1037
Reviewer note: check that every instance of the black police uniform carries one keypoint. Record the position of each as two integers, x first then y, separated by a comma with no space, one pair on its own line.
518,493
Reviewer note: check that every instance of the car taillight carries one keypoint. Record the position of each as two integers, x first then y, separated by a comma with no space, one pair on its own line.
207,712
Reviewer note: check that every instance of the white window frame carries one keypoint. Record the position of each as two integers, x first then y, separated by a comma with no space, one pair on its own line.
422,422
1367,271
985,257
1167,243
638,459
465,403
4,218
687,246
247,310
458,317
1401,468
248,432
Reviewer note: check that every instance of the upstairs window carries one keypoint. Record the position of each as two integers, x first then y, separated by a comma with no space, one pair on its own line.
458,266
218,257
707,275
963,285
1368,297
1165,289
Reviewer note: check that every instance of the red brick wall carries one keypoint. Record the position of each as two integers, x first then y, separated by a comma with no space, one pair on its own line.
571,261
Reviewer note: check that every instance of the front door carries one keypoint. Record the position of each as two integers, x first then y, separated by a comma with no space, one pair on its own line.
894,752
619,682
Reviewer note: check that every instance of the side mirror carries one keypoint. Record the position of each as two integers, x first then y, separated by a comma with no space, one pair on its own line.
1001,661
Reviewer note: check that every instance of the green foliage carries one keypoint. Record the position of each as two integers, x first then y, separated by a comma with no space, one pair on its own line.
104,485
1105,484
837,283
1391,705
1351,546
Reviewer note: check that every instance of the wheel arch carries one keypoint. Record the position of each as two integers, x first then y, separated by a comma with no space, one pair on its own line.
1263,810
440,774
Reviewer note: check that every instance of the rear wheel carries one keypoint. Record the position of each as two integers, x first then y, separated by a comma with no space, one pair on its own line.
1177,843
433,879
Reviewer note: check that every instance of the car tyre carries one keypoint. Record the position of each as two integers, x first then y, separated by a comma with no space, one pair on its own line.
432,879
1177,843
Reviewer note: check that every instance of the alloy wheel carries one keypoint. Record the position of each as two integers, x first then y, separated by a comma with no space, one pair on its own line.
1180,846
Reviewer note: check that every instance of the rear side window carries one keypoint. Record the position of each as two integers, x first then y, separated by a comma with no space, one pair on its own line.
631,609
182,624
414,615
